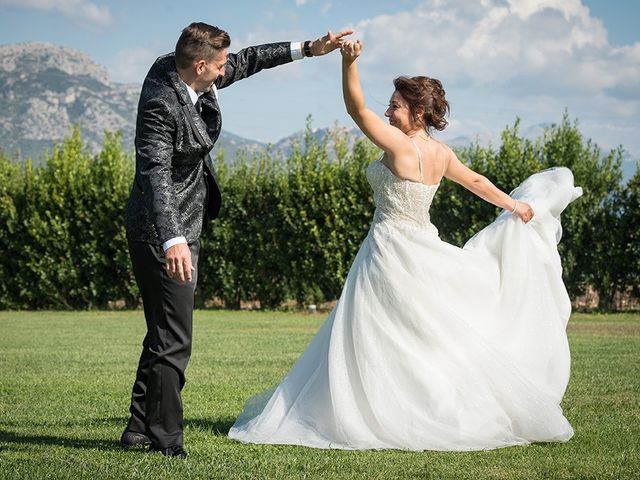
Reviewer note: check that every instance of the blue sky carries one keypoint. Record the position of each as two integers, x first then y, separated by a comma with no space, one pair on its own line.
498,59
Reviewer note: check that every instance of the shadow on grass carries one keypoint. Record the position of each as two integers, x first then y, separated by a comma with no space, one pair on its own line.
85,444
219,427
80,422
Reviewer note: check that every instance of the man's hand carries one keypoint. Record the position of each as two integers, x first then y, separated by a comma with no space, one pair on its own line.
178,264
328,43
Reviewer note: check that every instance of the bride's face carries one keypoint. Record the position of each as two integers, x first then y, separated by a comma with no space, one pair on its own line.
398,113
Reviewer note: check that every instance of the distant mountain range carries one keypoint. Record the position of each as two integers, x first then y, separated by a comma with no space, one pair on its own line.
46,88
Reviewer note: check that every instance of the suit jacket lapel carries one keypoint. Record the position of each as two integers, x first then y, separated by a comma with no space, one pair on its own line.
198,126
214,117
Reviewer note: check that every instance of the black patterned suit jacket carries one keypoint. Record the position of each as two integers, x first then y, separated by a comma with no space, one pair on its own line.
175,191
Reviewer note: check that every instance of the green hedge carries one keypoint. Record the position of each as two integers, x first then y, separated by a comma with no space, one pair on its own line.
290,227
62,228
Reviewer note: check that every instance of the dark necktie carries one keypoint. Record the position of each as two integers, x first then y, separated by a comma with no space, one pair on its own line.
198,105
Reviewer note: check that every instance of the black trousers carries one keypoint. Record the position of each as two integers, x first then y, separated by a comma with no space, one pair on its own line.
156,405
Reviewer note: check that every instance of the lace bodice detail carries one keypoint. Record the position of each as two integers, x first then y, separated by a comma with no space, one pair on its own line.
398,201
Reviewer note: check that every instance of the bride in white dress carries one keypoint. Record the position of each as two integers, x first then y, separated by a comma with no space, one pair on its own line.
431,346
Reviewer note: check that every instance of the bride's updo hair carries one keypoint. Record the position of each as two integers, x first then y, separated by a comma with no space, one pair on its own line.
427,93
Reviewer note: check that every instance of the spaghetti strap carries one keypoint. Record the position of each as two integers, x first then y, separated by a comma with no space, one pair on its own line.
419,158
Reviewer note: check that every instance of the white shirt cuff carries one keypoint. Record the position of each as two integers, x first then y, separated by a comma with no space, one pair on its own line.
173,241
296,51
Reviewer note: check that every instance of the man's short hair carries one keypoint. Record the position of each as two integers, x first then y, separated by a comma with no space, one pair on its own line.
200,41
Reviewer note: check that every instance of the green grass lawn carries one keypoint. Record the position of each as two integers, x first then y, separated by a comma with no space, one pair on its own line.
65,381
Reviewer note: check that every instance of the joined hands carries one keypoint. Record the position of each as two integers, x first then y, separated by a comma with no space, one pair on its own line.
329,42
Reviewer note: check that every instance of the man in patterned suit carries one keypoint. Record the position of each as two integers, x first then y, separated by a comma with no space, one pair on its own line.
174,195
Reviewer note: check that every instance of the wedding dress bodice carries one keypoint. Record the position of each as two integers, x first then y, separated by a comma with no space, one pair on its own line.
400,202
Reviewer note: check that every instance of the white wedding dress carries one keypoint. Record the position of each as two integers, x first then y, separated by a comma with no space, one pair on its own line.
431,346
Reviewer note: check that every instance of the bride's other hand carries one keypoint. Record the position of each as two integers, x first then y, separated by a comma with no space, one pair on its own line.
524,211
351,50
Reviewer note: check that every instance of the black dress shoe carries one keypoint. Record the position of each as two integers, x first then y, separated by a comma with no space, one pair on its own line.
133,439
176,451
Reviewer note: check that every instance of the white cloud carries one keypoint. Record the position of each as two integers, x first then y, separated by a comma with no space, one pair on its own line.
535,45
80,10
500,59
132,65
300,2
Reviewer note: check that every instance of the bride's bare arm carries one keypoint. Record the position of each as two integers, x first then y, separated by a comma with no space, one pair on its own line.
484,188
388,138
